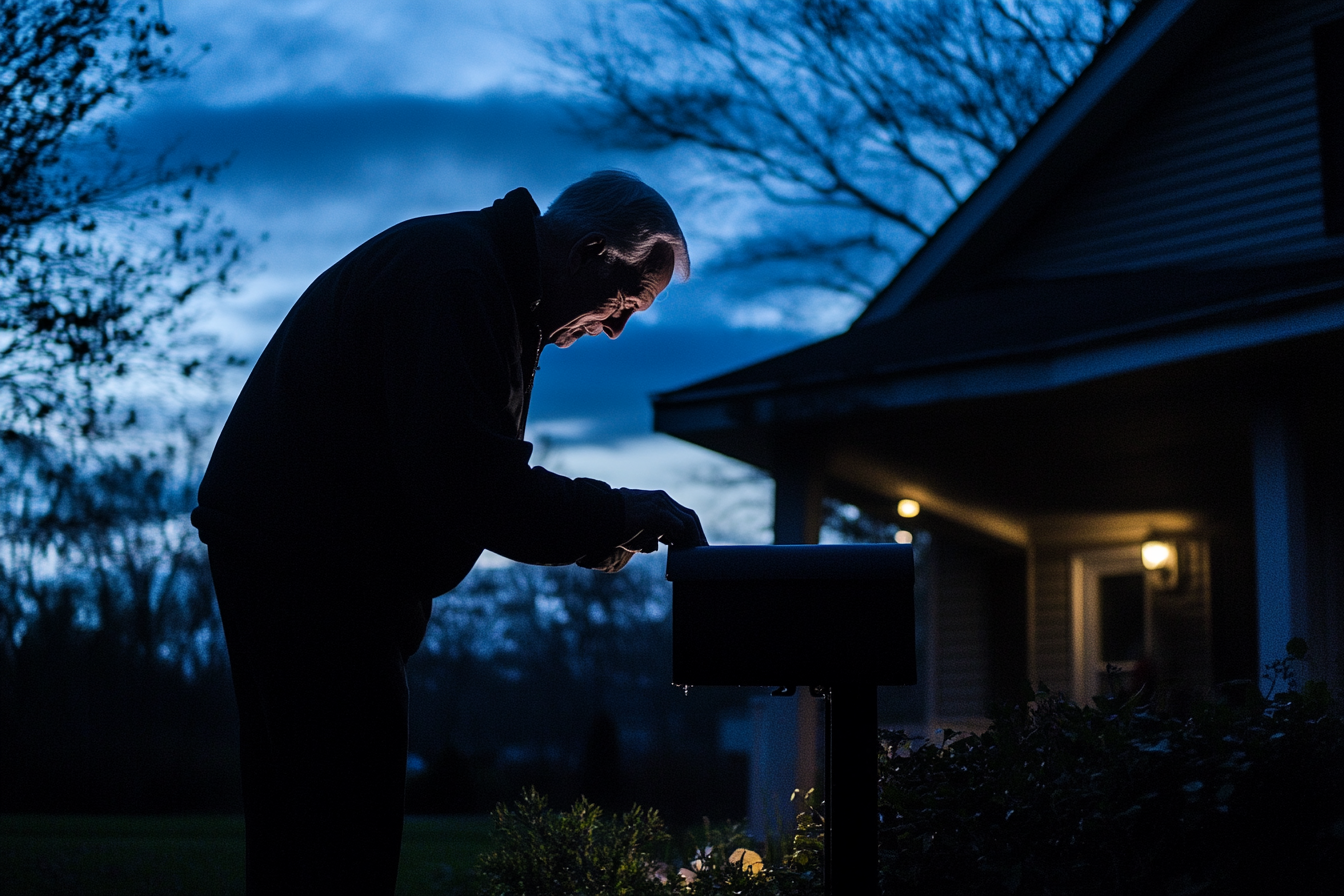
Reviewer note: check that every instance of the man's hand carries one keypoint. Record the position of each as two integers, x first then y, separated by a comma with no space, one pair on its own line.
656,517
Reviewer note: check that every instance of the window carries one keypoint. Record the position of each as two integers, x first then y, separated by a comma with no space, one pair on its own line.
1124,623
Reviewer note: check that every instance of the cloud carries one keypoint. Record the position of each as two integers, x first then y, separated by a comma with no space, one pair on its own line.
329,144
432,47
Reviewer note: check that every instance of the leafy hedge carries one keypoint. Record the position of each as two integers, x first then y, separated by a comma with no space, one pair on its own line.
540,852
1246,796
1113,798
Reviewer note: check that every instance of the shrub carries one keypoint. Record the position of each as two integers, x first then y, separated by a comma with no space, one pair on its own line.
538,852
543,853
722,861
1245,796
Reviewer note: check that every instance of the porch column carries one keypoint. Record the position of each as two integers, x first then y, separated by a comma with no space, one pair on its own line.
1280,534
786,729
798,494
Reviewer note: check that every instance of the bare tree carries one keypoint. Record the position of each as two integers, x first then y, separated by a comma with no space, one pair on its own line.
889,112
100,549
98,253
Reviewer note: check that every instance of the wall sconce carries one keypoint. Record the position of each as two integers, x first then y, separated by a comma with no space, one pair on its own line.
1159,558
907,508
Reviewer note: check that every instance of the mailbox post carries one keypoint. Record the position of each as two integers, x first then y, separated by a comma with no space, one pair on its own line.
839,619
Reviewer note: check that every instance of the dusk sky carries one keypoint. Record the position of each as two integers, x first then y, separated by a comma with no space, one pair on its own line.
345,117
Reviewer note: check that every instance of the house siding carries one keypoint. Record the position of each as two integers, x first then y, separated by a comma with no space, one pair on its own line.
961,680
1053,660
1225,164
1181,624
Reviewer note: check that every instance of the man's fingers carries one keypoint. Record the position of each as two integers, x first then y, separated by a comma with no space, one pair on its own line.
682,526
698,532
659,518
700,537
687,530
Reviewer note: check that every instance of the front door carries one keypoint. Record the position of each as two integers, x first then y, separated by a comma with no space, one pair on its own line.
1113,621
1132,629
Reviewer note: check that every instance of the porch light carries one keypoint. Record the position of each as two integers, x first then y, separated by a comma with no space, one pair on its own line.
907,508
1157,555
1159,558
904,536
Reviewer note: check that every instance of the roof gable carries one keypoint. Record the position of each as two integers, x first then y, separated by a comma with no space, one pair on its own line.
1221,169
1104,131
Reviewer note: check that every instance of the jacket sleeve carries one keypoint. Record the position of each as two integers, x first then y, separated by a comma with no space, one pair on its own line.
452,380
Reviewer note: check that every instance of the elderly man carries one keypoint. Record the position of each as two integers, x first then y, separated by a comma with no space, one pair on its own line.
375,451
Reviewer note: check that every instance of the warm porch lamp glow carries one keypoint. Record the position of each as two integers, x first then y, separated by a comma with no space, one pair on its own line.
1156,554
904,536
907,508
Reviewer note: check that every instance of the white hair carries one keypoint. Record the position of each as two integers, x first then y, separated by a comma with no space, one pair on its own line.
632,216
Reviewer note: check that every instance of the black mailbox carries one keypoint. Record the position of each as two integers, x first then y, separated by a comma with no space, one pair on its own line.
837,618
793,614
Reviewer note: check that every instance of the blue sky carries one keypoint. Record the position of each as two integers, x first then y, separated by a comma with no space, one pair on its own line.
345,117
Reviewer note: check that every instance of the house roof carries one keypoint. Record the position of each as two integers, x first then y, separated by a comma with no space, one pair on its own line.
940,331
1158,35
982,342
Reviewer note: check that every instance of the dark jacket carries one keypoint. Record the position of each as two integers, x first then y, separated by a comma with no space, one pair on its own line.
382,426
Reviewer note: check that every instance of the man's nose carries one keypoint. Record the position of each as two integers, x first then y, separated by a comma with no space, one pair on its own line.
615,324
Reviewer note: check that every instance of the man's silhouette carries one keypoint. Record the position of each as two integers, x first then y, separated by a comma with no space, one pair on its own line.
375,451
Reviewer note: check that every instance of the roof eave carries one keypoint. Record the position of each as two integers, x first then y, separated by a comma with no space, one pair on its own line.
692,411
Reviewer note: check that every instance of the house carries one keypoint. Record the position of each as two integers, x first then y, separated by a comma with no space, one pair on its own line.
1132,333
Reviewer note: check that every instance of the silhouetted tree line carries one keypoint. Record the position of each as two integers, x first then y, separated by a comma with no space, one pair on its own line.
114,690
113,685
114,681
562,678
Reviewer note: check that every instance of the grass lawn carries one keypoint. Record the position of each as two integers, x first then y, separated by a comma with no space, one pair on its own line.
195,855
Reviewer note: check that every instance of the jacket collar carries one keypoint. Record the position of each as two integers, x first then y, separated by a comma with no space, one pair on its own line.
512,224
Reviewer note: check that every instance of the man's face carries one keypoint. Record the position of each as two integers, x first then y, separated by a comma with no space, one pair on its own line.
600,298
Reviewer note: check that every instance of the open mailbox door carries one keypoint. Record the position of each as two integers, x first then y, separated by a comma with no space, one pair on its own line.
793,614
838,619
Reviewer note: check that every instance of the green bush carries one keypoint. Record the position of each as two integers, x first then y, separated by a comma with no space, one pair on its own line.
542,853
539,852
1245,796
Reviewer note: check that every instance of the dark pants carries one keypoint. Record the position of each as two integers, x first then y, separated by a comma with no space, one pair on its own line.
318,658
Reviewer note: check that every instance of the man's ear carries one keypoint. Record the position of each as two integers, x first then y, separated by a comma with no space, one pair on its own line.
585,250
